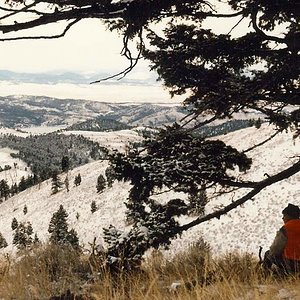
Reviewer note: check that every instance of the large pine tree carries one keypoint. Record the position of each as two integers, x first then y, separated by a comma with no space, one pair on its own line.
59,232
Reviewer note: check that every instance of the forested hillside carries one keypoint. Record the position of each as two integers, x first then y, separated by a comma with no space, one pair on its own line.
100,123
44,153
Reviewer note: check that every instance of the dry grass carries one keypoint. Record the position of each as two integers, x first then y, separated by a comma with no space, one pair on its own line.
50,270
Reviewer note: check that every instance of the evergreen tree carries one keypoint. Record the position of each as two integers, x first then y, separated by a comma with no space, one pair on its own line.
67,183
14,224
4,189
110,175
197,202
93,206
22,236
65,163
14,189
101,183
72,238
77,180
36,239
56,183
25,210
58,229
22,184
3,243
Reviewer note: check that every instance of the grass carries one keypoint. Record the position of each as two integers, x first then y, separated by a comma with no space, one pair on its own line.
49,270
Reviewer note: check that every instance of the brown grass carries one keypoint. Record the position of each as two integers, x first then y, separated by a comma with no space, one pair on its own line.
51,270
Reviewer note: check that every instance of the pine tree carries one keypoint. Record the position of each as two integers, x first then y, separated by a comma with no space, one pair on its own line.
93,206
110,176
22,184
72,238
4,189
36,239
14,189
197,202
65,163
14,224
56,183
25,210
101,183
77,180
22,236
3,243
58,229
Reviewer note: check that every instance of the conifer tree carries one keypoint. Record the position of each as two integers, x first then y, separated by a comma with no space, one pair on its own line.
25,210
56,183
58,229
3,243
110,176
77,180
65,163
22,236
22,184
36,239
14,224
14,189
93,206
197,202
4,189
101,183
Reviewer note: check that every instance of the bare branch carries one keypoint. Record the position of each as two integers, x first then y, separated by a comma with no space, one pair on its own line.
241,19
127,53
260,32
43,37
263,142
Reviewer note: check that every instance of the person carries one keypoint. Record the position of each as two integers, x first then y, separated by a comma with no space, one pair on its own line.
284,252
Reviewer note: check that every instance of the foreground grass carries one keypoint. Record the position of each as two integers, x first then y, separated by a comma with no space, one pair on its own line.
49,271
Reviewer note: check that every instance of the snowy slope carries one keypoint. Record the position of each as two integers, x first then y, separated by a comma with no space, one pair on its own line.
244,229
14,174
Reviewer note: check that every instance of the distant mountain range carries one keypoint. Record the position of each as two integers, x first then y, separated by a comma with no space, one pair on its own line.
26,111
69,77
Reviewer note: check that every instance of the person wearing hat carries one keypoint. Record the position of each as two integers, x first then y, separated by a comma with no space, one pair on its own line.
285,249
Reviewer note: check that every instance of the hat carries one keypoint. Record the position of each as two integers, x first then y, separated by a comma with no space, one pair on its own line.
292,211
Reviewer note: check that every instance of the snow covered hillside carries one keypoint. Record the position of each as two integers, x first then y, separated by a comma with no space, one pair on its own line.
244,229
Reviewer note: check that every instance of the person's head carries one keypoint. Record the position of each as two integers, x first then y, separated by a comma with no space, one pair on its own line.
291,212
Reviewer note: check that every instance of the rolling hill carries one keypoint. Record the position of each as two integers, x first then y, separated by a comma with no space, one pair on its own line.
244,229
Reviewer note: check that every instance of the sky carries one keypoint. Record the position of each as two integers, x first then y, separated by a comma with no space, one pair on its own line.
87,49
